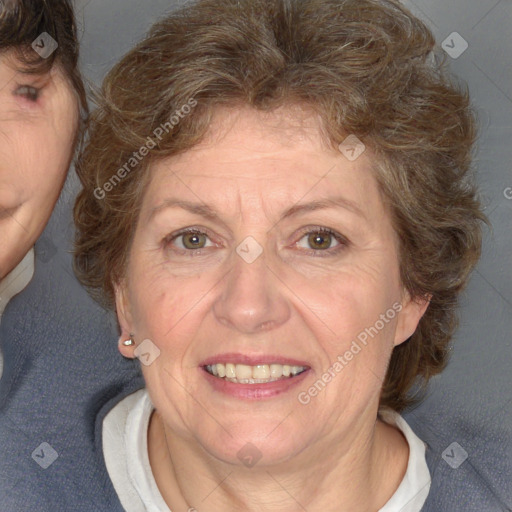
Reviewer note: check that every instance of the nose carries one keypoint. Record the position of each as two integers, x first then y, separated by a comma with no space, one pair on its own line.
251,299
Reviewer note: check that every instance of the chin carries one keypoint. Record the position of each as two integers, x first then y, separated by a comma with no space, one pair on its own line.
246,444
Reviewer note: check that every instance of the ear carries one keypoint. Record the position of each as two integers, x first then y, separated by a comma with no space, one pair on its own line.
412,309
124,317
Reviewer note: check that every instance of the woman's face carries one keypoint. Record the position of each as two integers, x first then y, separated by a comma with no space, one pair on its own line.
38,122
261,281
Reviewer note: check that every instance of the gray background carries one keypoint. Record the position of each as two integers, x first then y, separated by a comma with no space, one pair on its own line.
473,397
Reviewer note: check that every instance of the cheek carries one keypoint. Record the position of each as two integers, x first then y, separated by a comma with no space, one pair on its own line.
164,305
36,160
351,298
56,148
352,316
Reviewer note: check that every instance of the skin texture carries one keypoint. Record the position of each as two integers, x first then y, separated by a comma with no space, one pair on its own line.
330,454
38,122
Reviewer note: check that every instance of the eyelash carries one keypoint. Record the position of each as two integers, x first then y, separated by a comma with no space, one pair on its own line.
343,242
28,92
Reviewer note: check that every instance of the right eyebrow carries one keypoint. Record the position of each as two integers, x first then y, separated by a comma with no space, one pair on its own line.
196,208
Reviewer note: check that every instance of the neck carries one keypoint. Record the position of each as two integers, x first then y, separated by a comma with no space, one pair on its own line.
358,473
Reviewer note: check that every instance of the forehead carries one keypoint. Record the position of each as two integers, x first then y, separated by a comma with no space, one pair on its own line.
249,156
287,126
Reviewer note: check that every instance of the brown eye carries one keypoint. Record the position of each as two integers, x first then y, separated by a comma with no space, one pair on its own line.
29,92
320,240
188,240
194,240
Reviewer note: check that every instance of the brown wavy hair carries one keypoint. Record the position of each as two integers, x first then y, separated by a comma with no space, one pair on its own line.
368,68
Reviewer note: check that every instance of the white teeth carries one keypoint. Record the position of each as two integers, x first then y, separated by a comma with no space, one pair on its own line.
257,374
276,370
221,370
243,371
230,371
260,371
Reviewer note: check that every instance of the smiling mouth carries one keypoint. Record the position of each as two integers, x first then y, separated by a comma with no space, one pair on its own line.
257,374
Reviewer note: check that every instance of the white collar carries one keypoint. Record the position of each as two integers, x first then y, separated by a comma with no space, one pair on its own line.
16,280
125,450
415,485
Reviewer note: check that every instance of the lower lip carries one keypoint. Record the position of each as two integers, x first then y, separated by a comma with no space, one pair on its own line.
254,391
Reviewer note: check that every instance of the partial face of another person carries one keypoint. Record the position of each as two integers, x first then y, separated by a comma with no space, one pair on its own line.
263,247
38,122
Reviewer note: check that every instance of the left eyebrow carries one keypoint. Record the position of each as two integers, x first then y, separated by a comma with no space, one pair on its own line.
321,204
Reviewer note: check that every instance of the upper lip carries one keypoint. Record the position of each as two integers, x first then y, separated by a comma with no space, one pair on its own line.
252,360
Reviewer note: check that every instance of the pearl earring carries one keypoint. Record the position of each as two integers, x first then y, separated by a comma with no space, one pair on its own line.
129,342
